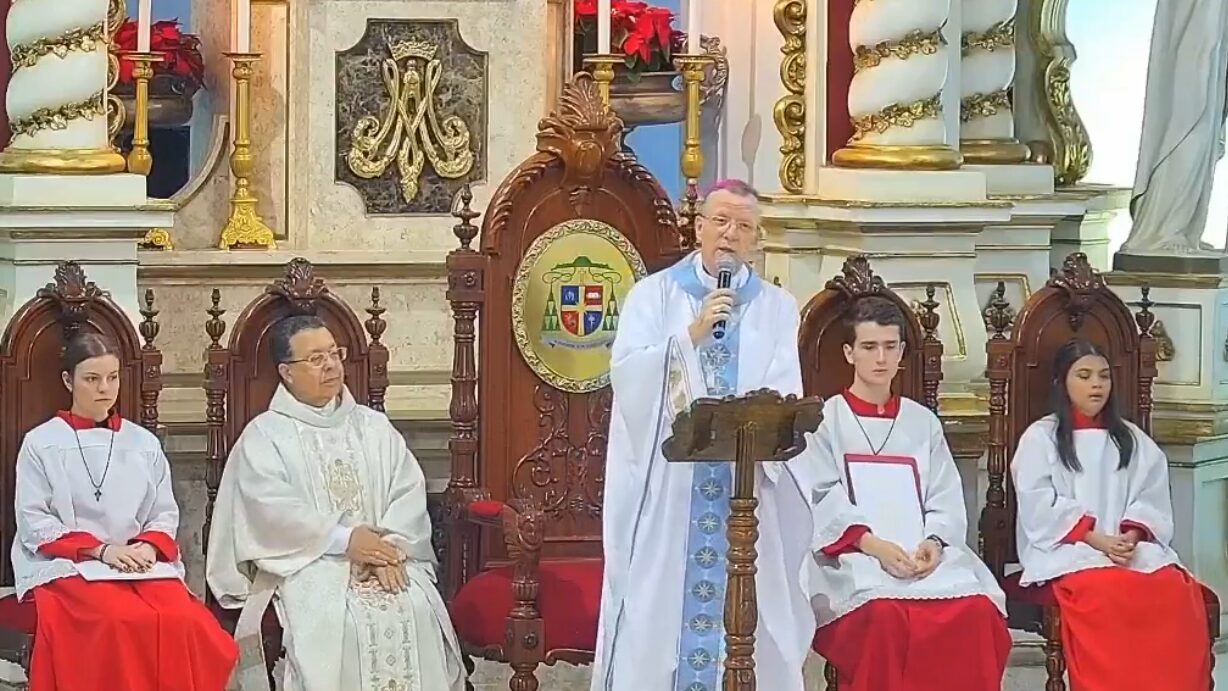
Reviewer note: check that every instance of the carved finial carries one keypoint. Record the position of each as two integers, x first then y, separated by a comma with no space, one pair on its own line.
856,279
214,326
74,295
928,315
465,231
375,324
998,314
300,286
688,210
1080,281
149,328
1145,318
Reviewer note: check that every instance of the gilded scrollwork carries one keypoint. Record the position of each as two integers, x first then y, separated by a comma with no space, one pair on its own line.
984,105
789,112
897,115
58,118
410,131
1166,350
1072,149
914,43
117,13
83,39
1000,35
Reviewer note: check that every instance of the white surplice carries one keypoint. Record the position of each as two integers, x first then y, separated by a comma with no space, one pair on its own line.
655,373
1053,499
842,584
294,477
57,469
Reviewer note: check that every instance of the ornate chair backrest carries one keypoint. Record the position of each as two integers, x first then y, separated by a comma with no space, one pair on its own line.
1074,303
33,391
826,372
565,236
240,377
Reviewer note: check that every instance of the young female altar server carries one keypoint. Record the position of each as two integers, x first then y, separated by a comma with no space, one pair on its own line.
1096,520
902,603
95,546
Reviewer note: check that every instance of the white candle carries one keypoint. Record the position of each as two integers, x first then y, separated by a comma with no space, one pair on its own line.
603,27
692,27
144,18
243,31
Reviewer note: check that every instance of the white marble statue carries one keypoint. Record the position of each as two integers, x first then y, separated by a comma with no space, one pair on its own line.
1183,120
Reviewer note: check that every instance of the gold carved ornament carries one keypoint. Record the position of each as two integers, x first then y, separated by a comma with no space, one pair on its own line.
1072,147
58,118
789,113
897,115
1000,35
410,132
566,302
81,40
984,105
117,13
914,43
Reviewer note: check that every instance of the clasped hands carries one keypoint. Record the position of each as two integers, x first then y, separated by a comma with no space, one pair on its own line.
138,557
378,558
1118,548
899,563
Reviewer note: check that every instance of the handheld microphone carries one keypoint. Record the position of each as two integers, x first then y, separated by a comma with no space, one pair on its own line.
726,265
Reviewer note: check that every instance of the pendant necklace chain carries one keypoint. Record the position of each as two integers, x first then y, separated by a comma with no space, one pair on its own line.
105,470
879,450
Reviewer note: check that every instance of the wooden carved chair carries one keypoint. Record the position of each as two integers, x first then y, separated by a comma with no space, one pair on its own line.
240,379
32,392
1074,302
524,499
825,371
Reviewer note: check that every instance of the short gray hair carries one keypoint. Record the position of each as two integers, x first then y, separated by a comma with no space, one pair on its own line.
286,329
734,186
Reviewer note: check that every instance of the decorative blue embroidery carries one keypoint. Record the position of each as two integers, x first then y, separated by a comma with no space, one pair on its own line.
701,647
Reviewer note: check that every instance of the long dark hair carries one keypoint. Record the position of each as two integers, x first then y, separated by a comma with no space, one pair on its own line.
1059,398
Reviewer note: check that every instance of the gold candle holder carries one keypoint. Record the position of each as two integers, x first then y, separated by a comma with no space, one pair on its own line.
693,69
140,161
244,229
602,67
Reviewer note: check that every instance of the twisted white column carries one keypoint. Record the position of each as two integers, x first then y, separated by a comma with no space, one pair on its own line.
56,99
987,121
900,65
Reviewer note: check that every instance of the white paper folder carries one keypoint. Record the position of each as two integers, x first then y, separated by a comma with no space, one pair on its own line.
887,491
94,570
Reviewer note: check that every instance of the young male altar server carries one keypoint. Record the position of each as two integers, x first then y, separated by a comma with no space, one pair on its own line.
1095,521
96,523
663,593
901,602
323,504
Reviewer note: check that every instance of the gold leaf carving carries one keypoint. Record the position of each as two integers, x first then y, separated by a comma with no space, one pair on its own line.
789,112
410,131
897,115
914,43
83,40
1072,148
1000,35
58,118
1165,349
984,105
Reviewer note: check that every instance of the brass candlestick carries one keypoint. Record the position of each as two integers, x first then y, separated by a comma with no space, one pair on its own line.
602,67
140,161
244,229
692,68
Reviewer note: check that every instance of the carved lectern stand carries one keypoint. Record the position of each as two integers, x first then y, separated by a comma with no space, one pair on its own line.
758,427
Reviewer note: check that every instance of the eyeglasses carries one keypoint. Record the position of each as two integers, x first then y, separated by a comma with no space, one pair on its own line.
724,222
318,360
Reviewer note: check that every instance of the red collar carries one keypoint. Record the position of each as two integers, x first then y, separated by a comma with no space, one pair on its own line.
77,422
1082,421
862,408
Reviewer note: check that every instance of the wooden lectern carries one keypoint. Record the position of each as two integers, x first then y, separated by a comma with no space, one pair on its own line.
758,427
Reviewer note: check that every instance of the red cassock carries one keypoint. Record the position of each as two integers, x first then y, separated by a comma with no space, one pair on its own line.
131,635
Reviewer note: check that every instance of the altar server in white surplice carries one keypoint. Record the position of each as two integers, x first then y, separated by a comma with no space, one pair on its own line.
323,504
1096,522
663,592
901,601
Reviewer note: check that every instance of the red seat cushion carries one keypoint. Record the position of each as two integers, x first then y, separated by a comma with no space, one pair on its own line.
18,616
568,600
1041,595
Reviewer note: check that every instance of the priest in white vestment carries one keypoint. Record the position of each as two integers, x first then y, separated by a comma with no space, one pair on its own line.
1095,525
663,593
323,504
897,592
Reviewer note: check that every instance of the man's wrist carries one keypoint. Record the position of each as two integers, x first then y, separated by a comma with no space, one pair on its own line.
942,544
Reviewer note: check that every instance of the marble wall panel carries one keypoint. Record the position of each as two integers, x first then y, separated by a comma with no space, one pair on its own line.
410,116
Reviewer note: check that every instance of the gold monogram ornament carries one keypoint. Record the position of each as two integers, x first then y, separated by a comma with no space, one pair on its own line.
410,132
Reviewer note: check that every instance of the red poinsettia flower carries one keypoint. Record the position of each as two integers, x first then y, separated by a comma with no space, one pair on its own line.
643,33
180,51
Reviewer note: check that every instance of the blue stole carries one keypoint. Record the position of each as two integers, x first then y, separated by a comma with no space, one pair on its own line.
701,648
